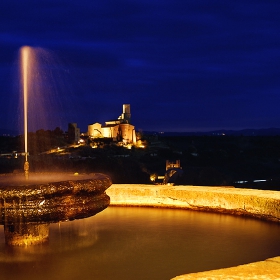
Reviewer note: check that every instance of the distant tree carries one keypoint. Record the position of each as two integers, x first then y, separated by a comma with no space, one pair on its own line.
58,131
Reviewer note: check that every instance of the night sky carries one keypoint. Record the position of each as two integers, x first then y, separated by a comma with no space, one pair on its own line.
182,65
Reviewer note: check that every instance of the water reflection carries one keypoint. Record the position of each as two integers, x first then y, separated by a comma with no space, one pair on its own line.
18,234
141,243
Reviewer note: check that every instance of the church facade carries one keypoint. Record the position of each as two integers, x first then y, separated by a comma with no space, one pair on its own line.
120,130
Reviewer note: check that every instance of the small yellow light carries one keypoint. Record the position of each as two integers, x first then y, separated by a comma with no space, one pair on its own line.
76,173
153,177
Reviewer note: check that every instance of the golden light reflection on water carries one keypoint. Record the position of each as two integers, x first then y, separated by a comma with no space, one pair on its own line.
141,243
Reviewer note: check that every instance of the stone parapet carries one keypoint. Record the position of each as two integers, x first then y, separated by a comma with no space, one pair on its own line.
256,203
264,270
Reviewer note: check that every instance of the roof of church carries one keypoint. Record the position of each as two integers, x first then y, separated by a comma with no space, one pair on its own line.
110,125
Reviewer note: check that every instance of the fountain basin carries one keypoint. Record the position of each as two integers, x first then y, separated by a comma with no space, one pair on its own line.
28,206
52,197
260,204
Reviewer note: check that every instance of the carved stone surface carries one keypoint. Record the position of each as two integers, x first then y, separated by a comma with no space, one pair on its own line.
29,205
62,197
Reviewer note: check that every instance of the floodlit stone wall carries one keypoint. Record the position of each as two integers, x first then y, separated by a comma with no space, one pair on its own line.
256,203
264,270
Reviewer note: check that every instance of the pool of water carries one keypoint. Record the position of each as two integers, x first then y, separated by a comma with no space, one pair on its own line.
141,243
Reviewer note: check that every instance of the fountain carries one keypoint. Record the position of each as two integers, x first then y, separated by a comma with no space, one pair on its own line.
116,243
26,205
29,204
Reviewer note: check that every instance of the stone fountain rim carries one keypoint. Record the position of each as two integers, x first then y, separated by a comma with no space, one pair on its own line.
89,183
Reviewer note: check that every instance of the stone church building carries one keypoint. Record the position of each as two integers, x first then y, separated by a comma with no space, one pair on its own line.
120,130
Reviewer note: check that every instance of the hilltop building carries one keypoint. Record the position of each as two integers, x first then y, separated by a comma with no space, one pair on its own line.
120,130
170,164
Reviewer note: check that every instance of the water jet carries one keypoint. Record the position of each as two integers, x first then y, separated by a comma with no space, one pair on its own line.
25,61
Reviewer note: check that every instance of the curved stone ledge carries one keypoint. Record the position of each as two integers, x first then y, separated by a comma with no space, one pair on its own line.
266,270
255,203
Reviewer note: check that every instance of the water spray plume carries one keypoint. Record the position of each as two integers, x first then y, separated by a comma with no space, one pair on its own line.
25,53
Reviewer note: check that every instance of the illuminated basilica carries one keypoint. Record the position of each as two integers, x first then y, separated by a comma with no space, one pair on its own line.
119,130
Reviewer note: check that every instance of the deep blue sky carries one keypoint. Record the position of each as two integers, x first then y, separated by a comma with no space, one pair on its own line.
182,65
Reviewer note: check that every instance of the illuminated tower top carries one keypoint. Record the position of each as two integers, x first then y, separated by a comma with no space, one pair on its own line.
125,116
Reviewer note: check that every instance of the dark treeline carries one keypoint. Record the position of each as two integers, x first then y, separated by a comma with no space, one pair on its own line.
205,160
223,160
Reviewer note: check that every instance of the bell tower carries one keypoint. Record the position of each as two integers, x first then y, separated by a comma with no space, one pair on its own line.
125,117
